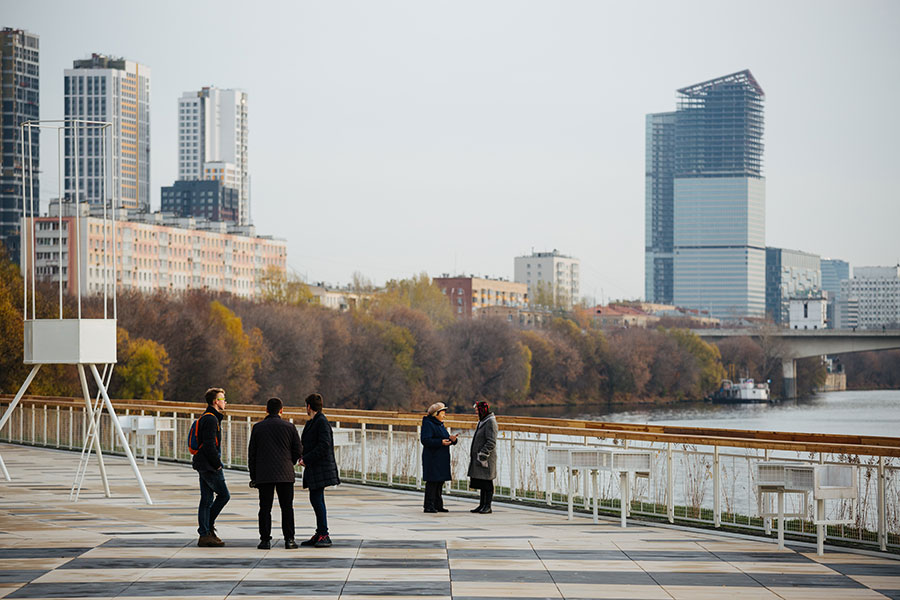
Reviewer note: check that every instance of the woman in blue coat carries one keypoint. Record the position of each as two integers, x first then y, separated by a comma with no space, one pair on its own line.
436,442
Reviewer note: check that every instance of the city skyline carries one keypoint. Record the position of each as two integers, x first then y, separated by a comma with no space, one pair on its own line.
385,128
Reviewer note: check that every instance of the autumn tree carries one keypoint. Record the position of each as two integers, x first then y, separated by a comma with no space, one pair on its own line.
741,357
486,360
239,354
143,368
707,358
12,370
292,336
430,353
419,293
384,362
283,288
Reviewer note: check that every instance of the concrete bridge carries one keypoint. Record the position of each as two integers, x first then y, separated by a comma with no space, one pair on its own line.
804,343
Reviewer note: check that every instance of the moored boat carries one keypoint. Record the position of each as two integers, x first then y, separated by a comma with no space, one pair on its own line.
745,391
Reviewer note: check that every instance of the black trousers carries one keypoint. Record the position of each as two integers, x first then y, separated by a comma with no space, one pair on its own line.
487,493
433,499
285,501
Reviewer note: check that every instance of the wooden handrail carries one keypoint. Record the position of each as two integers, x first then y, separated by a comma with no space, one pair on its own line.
704,436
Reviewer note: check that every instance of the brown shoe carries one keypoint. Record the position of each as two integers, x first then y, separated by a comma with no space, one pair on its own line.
210,541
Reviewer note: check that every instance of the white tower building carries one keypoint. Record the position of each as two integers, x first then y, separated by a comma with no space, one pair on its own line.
550,273
213,128
116,91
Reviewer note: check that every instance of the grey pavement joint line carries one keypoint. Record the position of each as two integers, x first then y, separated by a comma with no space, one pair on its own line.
350,570
547,570
643,570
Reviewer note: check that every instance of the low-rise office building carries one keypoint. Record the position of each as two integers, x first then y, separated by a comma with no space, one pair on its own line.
468,295
873,294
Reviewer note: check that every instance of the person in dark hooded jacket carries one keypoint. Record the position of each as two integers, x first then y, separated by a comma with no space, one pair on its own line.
483,457
320,468
436,442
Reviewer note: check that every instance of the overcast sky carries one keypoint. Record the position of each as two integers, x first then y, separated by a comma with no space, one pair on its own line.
399,137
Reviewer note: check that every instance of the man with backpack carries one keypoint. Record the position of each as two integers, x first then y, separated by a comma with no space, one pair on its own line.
205,442
273,451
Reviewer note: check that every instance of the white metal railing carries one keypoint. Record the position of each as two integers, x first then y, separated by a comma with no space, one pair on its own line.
708,486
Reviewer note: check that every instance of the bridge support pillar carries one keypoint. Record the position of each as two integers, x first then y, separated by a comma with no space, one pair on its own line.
789,373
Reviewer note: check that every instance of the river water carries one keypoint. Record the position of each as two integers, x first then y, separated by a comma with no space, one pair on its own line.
863,413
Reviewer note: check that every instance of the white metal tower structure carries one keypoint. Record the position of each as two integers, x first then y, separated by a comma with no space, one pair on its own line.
67,338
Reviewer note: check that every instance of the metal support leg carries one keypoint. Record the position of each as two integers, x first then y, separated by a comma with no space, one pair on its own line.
623,493
121,434
570,491
12,407
94,432
595,487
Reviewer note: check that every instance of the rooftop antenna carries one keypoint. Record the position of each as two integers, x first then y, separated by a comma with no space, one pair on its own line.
66,339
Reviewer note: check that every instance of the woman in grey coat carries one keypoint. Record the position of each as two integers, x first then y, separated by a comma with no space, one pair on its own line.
483,457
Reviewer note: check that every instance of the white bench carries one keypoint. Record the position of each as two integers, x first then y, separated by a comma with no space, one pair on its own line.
593,460
824,482
141,429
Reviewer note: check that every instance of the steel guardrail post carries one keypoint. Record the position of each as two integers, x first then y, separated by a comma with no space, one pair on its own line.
670,483
717,492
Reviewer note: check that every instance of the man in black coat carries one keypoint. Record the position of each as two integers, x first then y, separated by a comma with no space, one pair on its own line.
273,452
320,468
208,463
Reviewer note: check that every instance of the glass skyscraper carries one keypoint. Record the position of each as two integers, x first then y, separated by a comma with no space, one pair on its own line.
19,102
705,200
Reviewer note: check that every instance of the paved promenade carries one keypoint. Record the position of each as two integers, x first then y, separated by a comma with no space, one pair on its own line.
385,547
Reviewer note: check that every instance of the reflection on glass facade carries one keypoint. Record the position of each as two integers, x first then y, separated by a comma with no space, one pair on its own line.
720,255
659,207
790,274
834,271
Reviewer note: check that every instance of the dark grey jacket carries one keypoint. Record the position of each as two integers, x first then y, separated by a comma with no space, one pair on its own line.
483,452
318,454
274,450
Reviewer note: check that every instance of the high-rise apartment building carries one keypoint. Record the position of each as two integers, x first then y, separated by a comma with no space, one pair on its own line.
705,161
552,278
117,91
212,138
790,275
19,102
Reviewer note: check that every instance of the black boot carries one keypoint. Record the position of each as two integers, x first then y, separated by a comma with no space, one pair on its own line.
480,502
488,497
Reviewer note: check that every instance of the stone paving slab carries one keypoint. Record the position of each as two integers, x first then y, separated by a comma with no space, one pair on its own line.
385,547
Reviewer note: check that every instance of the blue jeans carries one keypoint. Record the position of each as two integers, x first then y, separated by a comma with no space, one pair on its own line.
317,500
211,483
